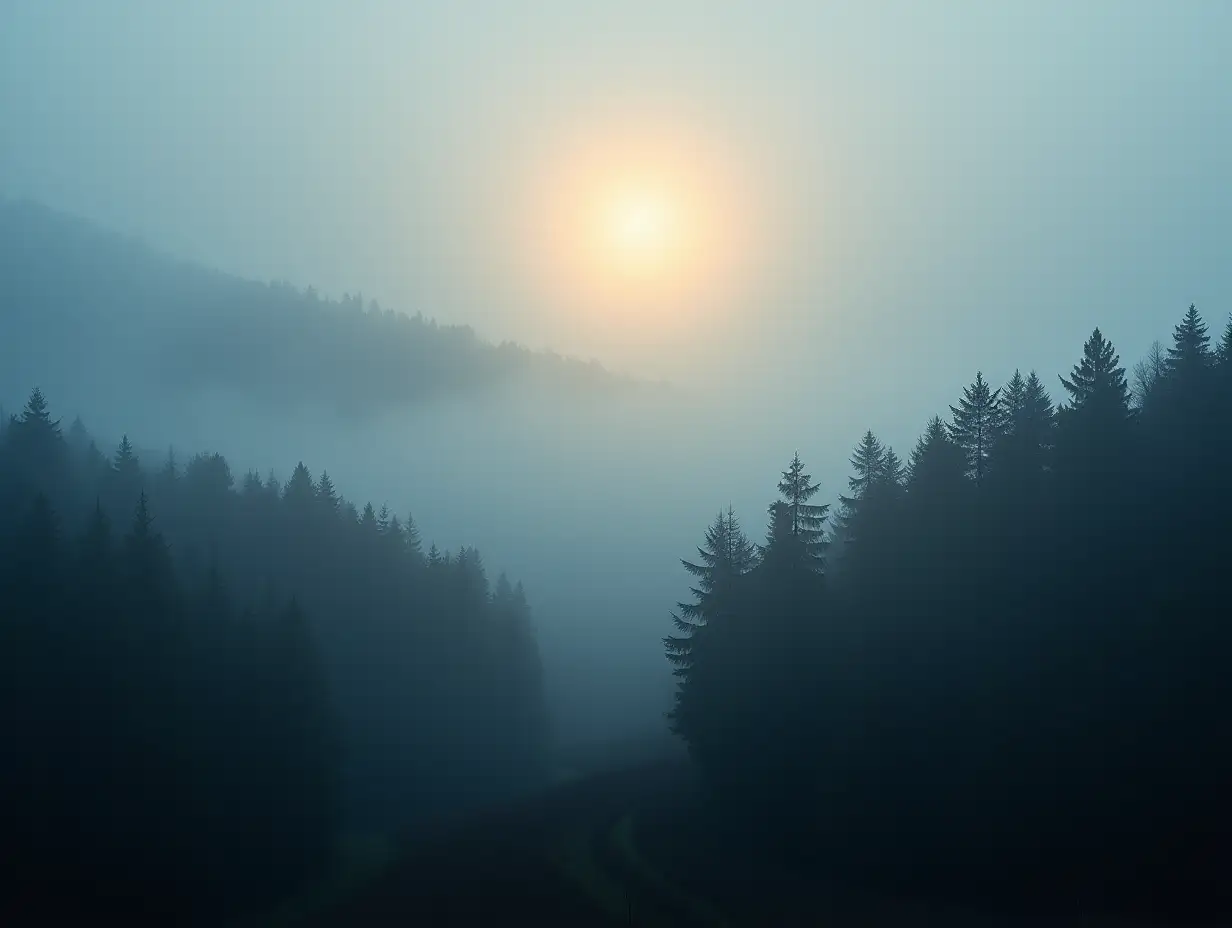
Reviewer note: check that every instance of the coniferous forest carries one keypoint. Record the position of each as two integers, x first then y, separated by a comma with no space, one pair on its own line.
1000,662
1006,664
206,679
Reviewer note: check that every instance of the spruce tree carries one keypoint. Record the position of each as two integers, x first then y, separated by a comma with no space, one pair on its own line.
327,496
708,638
1097,385
725,556
797,530
1025,443
1094,426
126,463
977,426
300,492
410,532
1190,354
36,449
937,463
876,480
868,466
126,479
1223,353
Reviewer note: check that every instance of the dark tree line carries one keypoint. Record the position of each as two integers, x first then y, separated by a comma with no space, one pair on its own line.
204,683
1015,664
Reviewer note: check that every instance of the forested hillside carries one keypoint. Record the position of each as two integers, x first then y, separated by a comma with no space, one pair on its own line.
1010,672
113,313
208,679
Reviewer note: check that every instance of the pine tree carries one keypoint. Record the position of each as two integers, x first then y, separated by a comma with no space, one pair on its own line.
394,536
252,486
126,463
706,639
411,533
726,556
893,471
37,414
1029,418
126,479
1097,385
1223,353
797,528
1093,428
148,559
1190,354
937,464
36,448
300,492
78,437
978,424
327,496
868,468
876,480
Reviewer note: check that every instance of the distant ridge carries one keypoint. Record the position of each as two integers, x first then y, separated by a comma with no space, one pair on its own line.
95,299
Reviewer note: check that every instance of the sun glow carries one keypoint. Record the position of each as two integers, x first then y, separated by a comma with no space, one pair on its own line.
625,230
642,229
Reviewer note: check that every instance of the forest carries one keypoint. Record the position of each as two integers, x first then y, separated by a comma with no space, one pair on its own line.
266,341
208,680
1005,667
996,669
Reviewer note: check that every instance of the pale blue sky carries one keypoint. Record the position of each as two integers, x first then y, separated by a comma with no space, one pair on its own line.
947,186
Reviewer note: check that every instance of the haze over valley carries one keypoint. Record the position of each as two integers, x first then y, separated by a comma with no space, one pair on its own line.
573,456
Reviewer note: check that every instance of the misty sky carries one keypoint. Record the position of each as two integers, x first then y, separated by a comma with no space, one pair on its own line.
937,187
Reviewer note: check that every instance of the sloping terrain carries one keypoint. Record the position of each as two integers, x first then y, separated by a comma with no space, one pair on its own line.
82,305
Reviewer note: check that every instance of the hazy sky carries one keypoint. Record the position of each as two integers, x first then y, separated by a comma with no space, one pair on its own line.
920,189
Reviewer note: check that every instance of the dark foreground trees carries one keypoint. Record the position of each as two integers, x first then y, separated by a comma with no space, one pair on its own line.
202,686
1017,673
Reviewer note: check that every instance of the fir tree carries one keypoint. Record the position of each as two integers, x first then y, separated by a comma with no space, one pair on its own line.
1223,352
1029,420
937,464
707,638
411,533
1097,384
36,448
725,556
300,492
877,475
797,528
1094,426
1190,354
126,463
327,496
978,424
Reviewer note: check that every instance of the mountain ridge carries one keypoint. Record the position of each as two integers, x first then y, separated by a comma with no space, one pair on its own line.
79,291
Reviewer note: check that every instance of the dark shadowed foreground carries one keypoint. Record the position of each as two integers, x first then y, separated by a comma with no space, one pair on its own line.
642,846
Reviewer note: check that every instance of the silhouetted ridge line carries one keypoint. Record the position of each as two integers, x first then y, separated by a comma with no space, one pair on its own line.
72,288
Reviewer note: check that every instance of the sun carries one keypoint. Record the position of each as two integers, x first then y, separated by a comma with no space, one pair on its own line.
640,229
634,230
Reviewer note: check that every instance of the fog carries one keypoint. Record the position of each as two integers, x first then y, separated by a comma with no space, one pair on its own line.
931,200
904,195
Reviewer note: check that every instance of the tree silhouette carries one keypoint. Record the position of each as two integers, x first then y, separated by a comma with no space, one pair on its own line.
978,424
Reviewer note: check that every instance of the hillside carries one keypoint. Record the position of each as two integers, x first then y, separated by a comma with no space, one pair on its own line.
110,312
